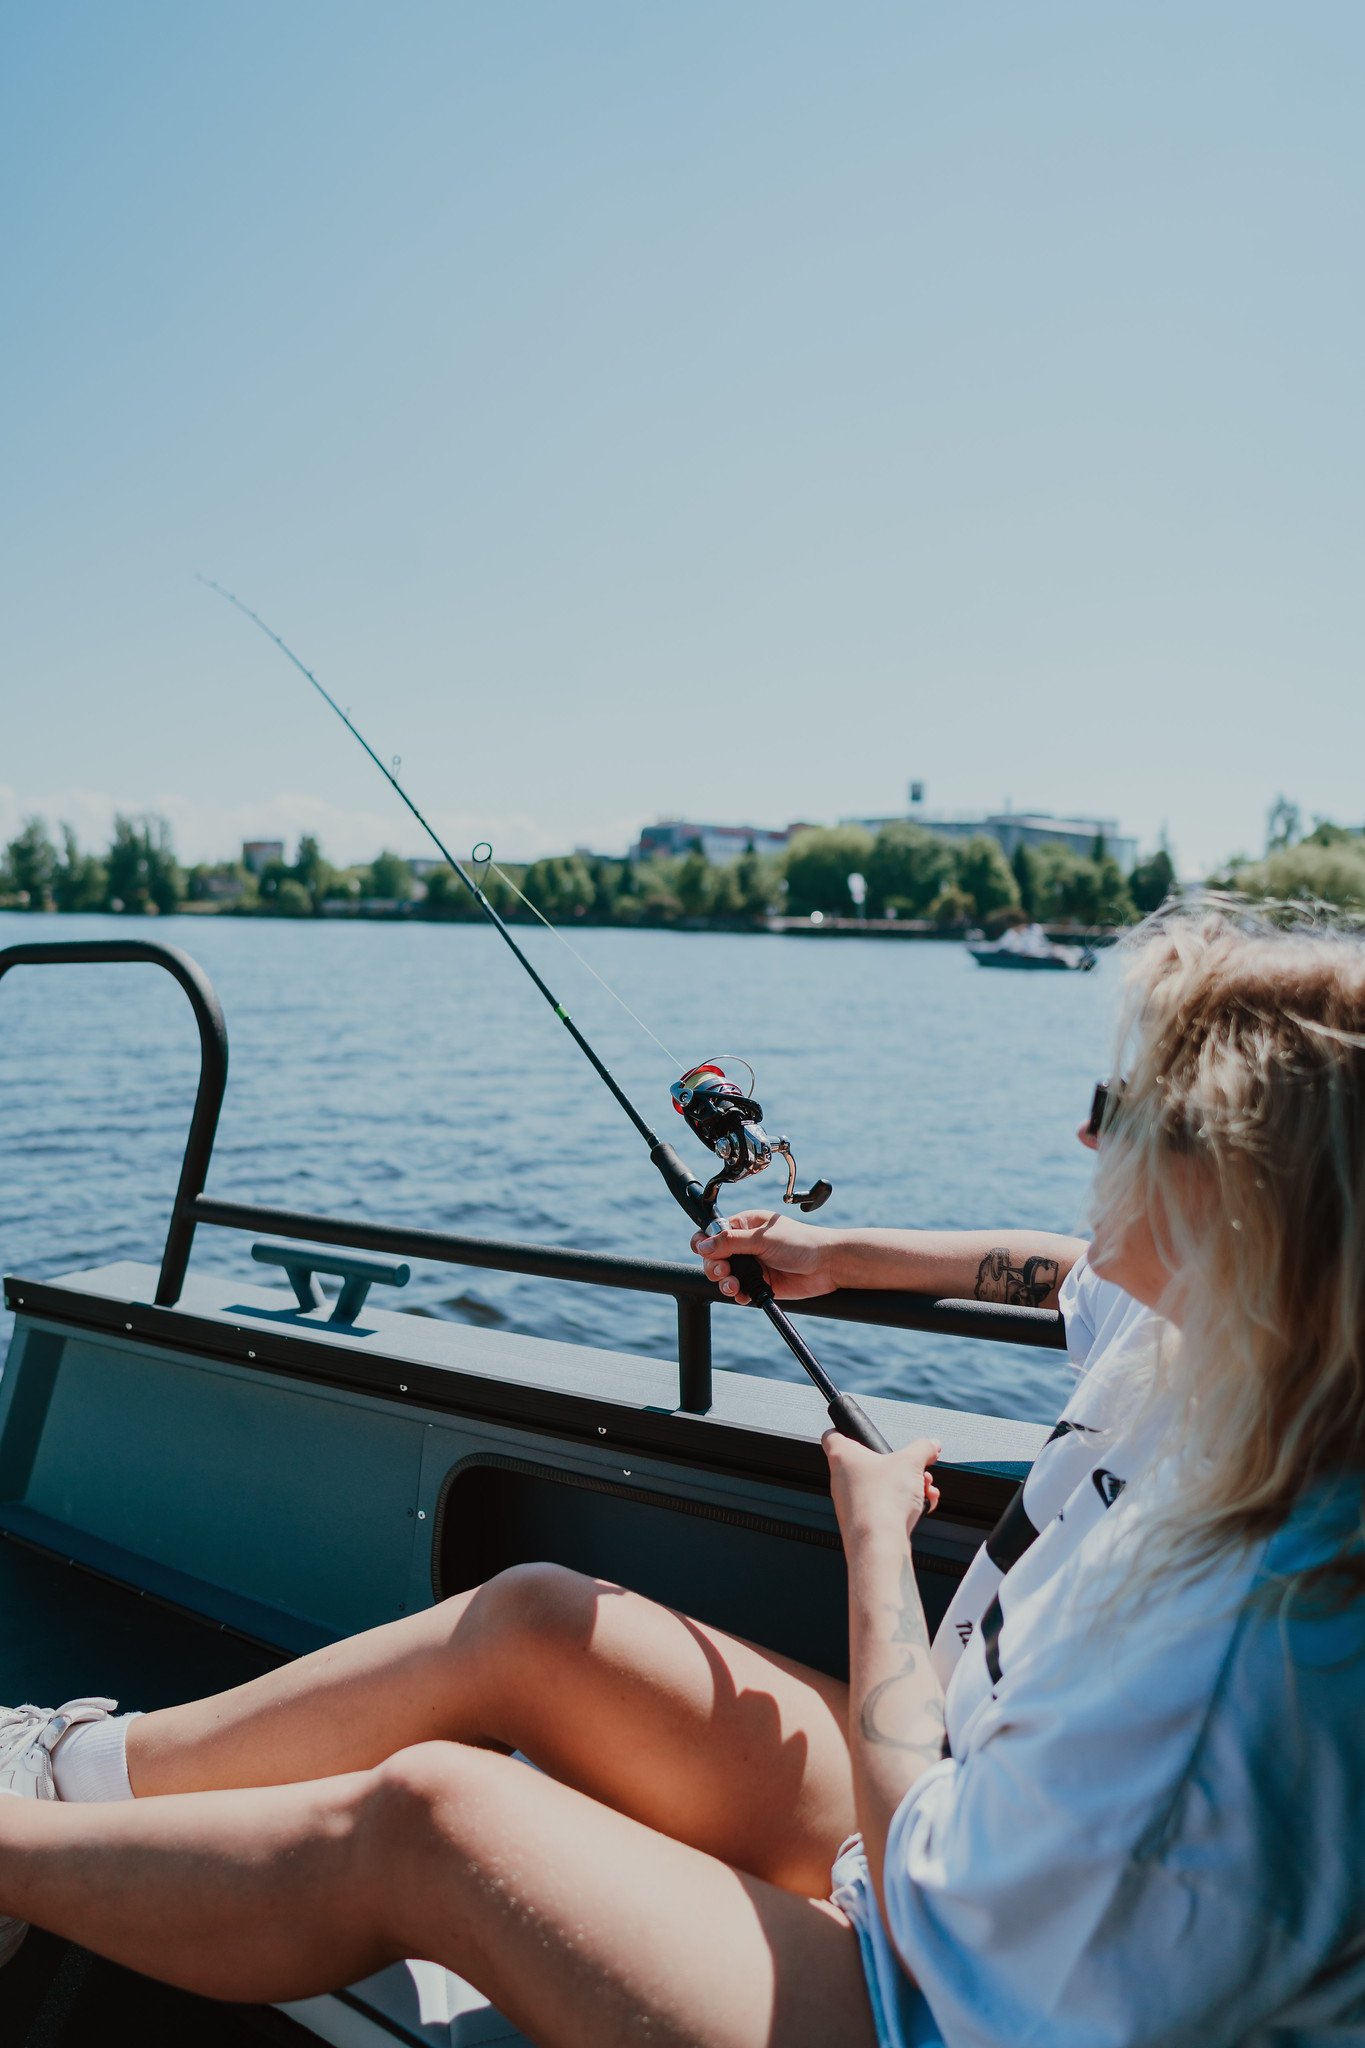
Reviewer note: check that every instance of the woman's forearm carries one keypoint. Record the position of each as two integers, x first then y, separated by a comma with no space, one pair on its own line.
1025,1267
895,1705
895,1701
895,1698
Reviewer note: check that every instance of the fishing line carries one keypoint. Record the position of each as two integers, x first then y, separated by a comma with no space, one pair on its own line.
716,1109
671,1057
345,718
651,1137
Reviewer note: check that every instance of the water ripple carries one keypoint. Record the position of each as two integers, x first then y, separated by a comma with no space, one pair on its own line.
407,1074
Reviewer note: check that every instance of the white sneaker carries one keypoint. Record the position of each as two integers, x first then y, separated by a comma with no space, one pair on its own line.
28,1736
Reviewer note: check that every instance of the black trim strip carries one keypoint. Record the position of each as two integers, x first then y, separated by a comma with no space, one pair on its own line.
1011,1536
992,1621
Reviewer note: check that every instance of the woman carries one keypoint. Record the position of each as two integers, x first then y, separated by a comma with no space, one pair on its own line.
1141,1826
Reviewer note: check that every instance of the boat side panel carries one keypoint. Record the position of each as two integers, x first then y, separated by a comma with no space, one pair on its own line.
301,1500
294,1511
30,1375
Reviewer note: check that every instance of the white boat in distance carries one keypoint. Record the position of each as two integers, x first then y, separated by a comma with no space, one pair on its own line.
1028,946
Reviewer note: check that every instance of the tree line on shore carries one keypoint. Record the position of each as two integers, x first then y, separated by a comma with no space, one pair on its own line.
906,870
1323,865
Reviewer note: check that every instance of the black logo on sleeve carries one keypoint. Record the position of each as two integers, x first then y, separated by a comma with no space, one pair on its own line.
1108,1485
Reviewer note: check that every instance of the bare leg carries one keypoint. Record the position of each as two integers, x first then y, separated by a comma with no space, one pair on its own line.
585,1928
711,1740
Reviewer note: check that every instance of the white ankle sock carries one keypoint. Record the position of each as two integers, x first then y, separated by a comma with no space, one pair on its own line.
91,1760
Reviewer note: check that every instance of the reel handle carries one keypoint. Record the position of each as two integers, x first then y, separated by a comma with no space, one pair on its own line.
849,1419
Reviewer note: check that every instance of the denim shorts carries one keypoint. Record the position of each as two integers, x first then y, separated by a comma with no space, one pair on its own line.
900,2010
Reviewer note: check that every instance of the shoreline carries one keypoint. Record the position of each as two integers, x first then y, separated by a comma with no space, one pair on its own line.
920,929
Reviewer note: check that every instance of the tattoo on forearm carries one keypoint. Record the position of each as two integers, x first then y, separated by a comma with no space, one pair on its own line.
1025,1283
923,1734
925,1739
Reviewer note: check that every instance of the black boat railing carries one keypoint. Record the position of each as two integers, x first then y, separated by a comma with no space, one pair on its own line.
693,1294
213,1068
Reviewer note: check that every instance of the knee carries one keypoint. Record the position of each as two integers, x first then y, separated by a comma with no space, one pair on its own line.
541,1607
408,1807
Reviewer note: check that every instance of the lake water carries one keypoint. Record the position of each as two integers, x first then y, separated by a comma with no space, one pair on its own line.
409,1073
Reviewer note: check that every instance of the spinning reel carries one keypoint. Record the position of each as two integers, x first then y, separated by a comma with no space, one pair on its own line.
730,1124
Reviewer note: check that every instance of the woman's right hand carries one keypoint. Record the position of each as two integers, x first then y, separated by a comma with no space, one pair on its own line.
795,1257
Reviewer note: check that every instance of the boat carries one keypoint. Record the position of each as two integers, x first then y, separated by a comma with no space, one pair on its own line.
1029,948
200,1479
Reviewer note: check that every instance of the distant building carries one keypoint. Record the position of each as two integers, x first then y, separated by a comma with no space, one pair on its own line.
1016,828
1038,828
258,853
720,843
220,886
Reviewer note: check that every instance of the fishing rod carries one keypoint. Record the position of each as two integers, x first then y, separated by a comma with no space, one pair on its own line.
728,1121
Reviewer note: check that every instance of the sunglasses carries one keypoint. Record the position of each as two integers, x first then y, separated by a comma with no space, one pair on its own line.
1106,1103
1103,1106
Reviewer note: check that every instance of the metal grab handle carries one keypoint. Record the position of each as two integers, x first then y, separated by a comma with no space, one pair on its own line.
359,1276
213,1066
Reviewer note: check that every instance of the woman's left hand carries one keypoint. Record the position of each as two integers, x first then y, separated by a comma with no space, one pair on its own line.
880,1493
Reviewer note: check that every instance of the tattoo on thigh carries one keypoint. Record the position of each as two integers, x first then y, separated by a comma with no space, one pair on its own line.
1025,1283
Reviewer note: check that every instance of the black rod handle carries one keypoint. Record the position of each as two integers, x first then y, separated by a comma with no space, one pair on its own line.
751,1277
849,1419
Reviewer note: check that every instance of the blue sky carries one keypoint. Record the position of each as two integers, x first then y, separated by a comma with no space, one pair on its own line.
722,410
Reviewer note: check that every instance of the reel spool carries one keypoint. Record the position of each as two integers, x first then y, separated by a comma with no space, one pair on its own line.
729,1123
